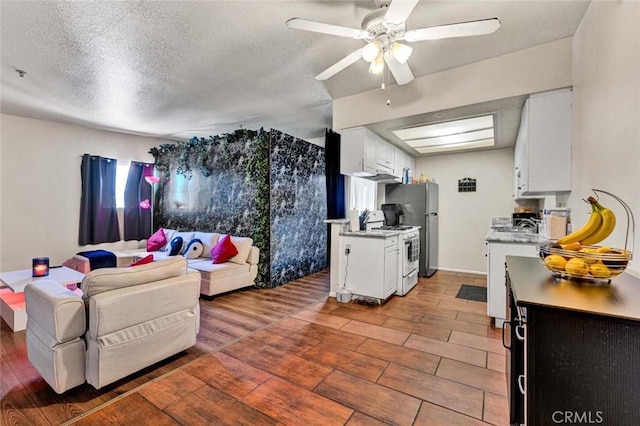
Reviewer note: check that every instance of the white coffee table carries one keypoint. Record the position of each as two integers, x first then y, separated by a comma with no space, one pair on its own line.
12,305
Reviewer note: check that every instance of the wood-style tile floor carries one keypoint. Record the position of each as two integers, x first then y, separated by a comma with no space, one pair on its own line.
291,356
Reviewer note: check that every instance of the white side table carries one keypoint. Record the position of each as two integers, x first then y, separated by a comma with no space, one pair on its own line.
12,305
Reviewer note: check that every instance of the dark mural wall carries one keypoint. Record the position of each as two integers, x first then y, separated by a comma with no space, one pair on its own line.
241,183
298,208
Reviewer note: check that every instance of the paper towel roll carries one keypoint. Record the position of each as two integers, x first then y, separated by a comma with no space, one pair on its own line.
354,218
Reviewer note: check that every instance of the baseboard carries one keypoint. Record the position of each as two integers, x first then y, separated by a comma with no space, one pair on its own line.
462,271
332,294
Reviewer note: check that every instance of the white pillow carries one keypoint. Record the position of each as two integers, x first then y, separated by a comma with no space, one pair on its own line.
243,244
168,234
209,240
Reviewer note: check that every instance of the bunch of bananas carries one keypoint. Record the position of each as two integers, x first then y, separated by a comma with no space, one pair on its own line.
600,225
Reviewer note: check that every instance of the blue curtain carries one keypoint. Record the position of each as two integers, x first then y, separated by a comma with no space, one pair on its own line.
335,182
98,215
137,220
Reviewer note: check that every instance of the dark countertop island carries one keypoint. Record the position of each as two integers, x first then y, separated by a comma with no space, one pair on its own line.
535,285
574,347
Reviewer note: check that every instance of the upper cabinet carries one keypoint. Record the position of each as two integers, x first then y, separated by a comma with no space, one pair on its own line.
403,160
365,154
542,161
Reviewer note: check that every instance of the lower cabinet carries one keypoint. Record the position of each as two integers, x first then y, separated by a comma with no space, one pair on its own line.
371,267
496,291
573,353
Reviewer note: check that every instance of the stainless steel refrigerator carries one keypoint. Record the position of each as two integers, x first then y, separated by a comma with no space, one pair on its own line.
420,205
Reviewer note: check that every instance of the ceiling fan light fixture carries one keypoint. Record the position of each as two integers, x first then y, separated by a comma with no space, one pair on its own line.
371,51
401,52
377,65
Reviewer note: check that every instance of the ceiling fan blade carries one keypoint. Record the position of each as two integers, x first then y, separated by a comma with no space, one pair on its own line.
399,11
401,72
320,27
461,29
340,65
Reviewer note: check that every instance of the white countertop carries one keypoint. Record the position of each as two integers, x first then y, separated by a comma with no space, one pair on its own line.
341,221
494,236
370,234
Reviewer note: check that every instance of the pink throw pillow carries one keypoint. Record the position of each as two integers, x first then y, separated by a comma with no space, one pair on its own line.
143,261
224,250
156,241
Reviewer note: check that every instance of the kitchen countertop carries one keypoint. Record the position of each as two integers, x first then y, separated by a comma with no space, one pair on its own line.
494,236
341,221
370,234
535,285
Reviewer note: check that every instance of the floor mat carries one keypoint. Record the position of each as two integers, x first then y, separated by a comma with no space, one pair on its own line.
472,292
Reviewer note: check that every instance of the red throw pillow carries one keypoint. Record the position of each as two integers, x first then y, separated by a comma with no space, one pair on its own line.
143,261
224,250
156,241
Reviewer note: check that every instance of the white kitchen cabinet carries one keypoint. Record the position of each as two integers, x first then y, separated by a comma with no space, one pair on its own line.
496,275
403,160
371,267
363,153
386,155
542,155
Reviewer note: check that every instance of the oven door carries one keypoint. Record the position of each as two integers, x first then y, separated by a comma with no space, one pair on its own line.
410,255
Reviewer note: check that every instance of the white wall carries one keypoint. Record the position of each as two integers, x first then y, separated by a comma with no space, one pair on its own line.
606,112
536,69
40,186
465,218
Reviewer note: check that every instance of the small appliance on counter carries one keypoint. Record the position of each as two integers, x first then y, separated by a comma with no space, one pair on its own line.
555,223
375,219
522,219
393,214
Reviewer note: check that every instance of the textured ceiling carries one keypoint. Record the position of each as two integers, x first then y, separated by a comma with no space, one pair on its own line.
182,69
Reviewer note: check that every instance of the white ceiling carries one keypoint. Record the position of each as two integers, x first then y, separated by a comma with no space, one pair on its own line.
175,69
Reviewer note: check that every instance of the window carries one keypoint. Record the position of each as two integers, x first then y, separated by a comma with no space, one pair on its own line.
362,193
122,172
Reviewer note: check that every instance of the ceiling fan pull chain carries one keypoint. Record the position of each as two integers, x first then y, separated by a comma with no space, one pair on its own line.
388,85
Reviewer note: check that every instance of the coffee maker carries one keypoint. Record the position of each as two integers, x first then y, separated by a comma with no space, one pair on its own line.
393,214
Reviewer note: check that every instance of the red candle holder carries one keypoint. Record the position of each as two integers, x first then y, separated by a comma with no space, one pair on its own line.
40,267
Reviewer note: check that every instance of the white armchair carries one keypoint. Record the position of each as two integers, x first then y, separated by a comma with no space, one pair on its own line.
129,319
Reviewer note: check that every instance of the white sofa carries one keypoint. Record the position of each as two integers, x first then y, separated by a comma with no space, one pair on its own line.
127,319
238,272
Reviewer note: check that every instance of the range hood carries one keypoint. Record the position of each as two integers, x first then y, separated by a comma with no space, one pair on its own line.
380,177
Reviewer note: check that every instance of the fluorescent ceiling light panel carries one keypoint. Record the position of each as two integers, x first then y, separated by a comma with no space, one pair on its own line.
444,129
454,147
458,138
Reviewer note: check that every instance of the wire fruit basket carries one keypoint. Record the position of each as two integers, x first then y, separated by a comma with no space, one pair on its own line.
591,262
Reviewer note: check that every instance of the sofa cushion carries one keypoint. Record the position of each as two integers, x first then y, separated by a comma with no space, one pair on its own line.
168,235
209,240
243,244
156,241
143,261
174,247
215,271
194,249
106,279
55,310
224,250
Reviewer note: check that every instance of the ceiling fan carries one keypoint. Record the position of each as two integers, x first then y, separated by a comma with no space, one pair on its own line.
383,29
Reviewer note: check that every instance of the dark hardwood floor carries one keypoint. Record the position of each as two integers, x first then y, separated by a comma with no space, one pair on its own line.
290,356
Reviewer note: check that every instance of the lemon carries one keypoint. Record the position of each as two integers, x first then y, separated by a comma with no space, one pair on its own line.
586,254
555,262
599,270
577,266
